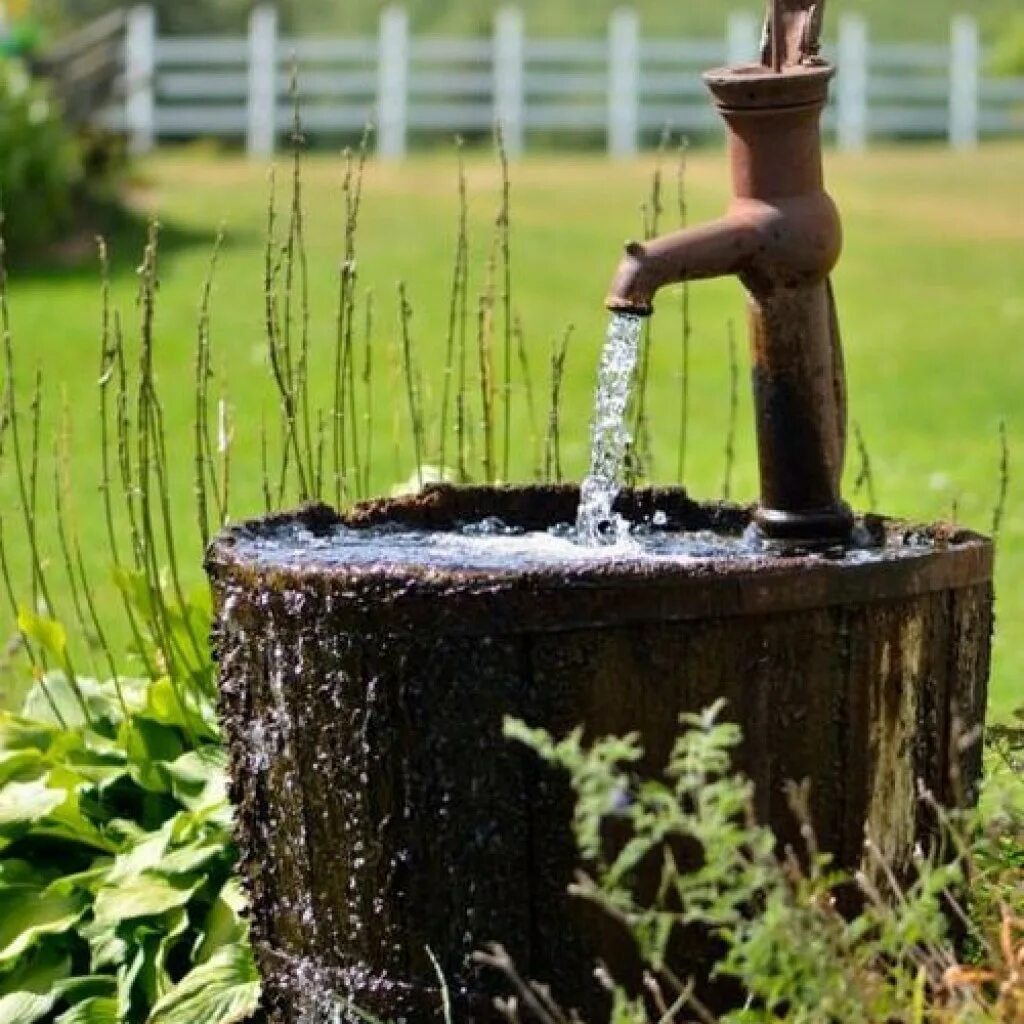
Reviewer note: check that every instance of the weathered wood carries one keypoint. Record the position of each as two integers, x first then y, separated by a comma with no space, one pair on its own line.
86,69
381,814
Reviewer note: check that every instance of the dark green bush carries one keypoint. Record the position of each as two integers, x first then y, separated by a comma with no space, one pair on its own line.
41,171
177,16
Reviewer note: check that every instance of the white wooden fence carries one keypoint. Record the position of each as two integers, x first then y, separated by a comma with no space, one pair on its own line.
625,87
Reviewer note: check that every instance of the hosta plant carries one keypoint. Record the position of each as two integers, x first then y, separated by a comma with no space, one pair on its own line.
117,900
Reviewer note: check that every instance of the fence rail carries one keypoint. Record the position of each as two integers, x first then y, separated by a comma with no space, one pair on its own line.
625,88
87,67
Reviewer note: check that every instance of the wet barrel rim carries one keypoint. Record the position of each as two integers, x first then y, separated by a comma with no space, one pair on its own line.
402,596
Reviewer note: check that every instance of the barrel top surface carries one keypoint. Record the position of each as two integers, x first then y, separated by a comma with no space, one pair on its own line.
396,580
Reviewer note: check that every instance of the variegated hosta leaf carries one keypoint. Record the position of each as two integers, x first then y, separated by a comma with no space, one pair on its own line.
224,990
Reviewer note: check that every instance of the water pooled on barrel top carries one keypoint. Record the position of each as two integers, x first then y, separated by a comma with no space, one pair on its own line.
494,545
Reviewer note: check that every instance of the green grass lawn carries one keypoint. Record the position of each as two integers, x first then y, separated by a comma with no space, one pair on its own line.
930,295
909,19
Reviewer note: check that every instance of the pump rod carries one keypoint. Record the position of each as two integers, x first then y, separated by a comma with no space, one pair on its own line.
792,33
777,36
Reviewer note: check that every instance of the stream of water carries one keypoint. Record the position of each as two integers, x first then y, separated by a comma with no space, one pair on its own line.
596,522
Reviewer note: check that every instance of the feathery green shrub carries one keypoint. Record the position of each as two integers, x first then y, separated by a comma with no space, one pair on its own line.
776,912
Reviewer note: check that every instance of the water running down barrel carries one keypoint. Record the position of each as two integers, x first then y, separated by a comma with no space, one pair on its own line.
367,665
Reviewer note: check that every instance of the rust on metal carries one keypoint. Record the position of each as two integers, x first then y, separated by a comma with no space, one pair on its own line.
781,236
792,33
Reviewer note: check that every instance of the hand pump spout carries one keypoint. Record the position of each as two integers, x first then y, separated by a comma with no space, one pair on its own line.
781,236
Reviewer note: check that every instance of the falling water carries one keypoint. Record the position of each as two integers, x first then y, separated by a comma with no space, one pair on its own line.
595,522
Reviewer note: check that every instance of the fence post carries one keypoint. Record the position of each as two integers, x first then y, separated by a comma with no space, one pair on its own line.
393,83
140,73
742,45
964,82
852,98
509,67
261,133
623,83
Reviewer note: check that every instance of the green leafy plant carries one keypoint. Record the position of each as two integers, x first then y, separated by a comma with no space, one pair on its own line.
118,901
784,940
115,855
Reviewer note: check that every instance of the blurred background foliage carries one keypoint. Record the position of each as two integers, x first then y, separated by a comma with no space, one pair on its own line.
1008,53
918,19
188,16
40,162
59,184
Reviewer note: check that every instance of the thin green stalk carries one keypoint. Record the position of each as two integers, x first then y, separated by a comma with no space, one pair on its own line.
412,381
126,469
5,575
40,586
321,451
150,455
111,364
865,475
100,632
205,480
297,275
367,380
685,323
999,512
455,303
160,466
202,376
61,488
225,436
657,207
531,404
504,236
734,405
641,452
484,329
553,441
463,437
78,581
108,362
268,500
35,407
640,462
279,348
485,361
37,670
344,374
395,357
346,285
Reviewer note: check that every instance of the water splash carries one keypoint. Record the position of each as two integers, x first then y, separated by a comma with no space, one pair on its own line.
596,523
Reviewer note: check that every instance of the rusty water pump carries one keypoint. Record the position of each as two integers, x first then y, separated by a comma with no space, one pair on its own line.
781,236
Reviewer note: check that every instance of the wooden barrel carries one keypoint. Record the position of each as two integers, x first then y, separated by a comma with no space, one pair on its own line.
384,821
